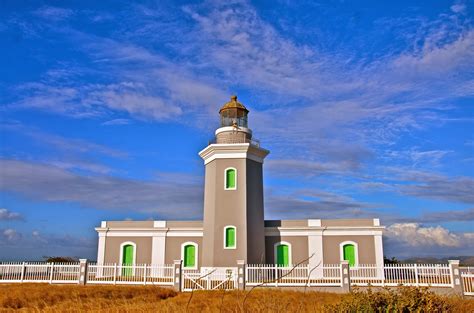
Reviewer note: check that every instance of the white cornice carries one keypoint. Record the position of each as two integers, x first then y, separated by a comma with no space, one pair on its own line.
325,231
233,151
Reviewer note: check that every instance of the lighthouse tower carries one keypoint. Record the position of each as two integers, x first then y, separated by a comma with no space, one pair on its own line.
233,227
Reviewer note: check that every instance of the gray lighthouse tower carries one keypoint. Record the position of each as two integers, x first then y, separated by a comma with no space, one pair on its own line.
233,227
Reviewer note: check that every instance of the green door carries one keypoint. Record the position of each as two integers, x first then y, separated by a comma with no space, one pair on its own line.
189,256
283,255
127,260
349,254
230,179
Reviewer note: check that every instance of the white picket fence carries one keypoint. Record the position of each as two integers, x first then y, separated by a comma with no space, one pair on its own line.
25,272
435,275
432,275
300,275
467,277
137,274
208,278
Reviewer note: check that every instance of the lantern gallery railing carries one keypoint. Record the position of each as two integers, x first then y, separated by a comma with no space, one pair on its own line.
461,279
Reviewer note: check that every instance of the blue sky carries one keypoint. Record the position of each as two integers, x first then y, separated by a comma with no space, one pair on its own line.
366,107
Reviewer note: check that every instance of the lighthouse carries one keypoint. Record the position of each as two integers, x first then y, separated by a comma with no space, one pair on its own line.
233,225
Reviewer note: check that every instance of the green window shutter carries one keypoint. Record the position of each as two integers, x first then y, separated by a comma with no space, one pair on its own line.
230,237
189,256
230,178
349,254
283,255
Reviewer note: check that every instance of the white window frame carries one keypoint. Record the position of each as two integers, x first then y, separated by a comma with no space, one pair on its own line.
290,255
196,256
356,247
225,178
235,239
134,262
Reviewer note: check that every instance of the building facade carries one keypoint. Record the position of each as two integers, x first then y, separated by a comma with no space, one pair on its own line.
233,227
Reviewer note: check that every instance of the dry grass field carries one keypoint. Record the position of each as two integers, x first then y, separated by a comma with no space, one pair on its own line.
57,298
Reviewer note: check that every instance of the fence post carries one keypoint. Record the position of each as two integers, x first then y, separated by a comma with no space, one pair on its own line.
417,283
144,274
51,274
241,274
276,275
345,276
456,280
83,264
115,273
23,270
178,275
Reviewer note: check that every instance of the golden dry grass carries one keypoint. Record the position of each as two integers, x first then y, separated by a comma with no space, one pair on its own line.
67,298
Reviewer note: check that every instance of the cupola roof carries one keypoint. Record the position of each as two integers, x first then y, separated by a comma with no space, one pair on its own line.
233,104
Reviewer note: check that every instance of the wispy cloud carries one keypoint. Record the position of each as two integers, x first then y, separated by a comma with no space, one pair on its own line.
117,121
458,7
436,186
466,215
314,204
54,13
49,183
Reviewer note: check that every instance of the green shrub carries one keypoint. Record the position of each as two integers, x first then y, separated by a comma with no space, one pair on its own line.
402,299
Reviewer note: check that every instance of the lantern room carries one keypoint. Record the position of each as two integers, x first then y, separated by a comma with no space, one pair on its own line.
234,113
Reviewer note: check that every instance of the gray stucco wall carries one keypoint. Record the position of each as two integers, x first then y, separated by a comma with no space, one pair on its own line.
299,248
143,252
221,208
173,248
255,218
366,246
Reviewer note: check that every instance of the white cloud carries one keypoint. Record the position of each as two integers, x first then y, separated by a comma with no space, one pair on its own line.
415,235
7,215
9,236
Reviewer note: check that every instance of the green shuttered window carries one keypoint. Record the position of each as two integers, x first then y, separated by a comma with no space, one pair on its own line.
283,255
230,234
230,178
189,256
349,254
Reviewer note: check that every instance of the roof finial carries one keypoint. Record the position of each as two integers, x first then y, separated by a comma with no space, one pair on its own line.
233,98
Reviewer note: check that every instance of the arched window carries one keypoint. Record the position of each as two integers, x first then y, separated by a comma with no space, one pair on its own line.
349,252
128,253
230,237
282,254
189,254
230,178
